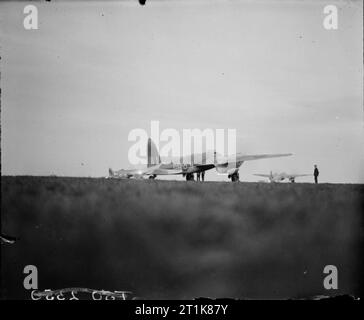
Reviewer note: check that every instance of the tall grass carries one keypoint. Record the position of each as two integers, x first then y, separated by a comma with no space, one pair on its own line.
165,239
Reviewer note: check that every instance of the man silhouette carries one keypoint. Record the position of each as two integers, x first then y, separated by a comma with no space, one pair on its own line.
203,175
198,176
316,174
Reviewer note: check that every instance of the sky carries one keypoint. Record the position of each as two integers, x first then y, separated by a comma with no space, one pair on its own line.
93,71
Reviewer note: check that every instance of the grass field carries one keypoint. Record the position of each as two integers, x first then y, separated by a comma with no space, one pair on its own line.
166,239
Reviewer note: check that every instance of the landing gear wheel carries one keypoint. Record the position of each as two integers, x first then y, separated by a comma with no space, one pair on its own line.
189,177
152,177
234,177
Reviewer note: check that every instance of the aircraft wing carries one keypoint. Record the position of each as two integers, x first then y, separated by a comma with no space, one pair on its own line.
298,175
241,157
165,172
160,171
123,173
204,167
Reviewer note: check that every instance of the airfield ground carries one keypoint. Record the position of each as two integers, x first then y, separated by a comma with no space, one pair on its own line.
165,239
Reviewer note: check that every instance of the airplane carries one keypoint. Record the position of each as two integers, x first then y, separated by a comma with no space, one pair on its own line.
208,160
278,177
151,172
128,173
154,167
186,166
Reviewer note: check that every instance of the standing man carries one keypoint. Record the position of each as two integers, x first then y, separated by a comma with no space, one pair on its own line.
203,175
198,176
316,173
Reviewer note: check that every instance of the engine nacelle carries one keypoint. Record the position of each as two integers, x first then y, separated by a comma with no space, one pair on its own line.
227,170
222,169
232,171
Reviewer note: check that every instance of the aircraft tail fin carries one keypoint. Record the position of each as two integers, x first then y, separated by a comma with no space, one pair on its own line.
153,155
111,172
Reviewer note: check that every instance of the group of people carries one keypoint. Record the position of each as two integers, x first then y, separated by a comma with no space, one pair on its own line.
200,176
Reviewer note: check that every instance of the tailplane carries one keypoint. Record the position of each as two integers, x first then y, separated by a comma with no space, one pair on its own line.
153,155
